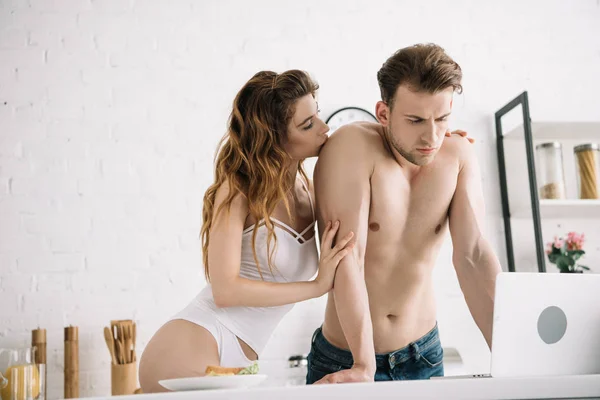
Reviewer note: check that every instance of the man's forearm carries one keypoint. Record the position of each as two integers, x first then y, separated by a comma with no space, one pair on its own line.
477,277
352,305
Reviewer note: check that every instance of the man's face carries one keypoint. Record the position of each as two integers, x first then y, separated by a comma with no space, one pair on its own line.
416,123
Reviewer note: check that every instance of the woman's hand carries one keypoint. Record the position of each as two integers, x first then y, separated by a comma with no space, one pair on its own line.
460,132
331,257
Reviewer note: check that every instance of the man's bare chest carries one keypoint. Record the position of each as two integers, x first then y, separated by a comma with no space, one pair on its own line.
418,204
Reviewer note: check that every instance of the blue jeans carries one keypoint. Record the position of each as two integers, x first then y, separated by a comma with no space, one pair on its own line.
421,359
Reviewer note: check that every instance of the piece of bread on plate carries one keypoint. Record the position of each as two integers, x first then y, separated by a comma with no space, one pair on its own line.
215,370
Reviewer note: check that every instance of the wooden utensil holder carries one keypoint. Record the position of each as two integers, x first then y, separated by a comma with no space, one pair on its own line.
123,378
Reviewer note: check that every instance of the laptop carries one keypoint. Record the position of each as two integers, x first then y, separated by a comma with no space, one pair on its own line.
545,324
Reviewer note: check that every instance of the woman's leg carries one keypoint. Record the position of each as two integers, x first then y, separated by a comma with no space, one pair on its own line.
179,349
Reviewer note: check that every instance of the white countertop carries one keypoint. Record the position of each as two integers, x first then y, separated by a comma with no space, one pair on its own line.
557,387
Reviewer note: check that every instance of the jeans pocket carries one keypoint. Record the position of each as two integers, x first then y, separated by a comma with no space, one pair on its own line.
432,356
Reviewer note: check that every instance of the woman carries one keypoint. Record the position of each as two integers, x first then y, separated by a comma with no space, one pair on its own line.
258,234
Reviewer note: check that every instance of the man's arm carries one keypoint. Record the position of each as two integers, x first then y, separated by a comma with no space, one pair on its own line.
474,260
343,194
225,251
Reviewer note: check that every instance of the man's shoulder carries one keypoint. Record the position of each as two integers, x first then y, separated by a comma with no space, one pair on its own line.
353,146
458,148
356,136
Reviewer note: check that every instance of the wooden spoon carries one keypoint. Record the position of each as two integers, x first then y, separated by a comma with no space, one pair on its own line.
110,343
121,335
127,336
120,352
133,334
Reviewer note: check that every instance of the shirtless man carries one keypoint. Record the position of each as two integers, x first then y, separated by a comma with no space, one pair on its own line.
399,186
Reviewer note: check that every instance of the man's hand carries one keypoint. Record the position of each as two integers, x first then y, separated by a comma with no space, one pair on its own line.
354,374
461,133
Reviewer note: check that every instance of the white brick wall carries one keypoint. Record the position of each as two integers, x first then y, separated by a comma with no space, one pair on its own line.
110,111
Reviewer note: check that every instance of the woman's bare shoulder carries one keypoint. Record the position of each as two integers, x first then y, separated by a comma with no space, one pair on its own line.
239,202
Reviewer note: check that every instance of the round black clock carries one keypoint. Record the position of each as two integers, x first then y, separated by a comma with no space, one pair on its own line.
348,114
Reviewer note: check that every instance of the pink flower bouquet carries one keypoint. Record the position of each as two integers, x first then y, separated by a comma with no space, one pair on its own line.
565,252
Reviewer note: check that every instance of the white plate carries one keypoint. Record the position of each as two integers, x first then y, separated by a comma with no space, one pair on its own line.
213,382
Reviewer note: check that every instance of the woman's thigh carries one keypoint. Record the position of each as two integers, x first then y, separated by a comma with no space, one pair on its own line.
178,349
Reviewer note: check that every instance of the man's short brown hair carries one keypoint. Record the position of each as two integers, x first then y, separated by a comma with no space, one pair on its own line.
424,67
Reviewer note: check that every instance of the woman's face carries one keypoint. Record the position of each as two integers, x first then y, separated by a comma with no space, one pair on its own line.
307,133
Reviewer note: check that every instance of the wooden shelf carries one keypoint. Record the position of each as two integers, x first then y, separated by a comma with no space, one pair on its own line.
570,134
584,131
560,209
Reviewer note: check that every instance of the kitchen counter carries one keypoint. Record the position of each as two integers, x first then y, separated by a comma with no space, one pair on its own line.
560,387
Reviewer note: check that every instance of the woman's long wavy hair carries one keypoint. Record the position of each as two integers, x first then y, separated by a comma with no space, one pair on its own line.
251,157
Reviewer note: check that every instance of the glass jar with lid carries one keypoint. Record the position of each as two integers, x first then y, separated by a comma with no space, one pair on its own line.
588,170
298,369
549,170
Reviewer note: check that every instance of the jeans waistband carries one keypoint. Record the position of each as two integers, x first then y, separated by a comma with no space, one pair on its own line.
344,357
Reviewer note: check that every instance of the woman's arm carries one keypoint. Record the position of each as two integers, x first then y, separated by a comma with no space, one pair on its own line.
224,255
